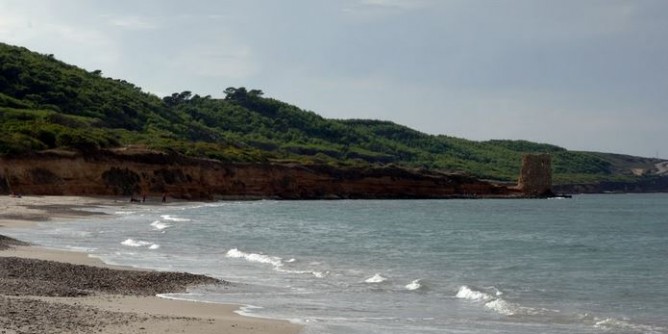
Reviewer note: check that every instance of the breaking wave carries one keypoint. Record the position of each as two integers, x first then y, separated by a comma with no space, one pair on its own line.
377,278
174,219
139,243
320,274
254,257
612,324
414,285
498,304
503,307
159,226
467,293
276,262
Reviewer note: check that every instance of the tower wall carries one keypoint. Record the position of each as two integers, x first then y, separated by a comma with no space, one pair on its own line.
536,175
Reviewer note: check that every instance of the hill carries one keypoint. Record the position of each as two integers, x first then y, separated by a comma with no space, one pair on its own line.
46,104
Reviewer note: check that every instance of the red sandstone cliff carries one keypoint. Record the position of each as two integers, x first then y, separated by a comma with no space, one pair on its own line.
152,173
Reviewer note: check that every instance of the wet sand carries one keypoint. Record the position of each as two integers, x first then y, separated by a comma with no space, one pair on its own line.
54,291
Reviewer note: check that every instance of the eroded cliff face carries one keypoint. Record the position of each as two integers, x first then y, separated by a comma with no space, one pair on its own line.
647,184
154,174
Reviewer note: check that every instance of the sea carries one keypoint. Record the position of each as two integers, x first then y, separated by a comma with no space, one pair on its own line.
589,264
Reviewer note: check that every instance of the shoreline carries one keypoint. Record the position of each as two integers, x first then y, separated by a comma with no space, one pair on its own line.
40,293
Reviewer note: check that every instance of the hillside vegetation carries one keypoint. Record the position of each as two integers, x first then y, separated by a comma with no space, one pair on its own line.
47,104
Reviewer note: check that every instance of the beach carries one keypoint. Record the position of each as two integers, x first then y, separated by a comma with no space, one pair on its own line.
56,291
591,264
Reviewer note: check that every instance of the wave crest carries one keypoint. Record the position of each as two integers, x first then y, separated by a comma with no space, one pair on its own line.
467,293
377,278
174,219
276,262
414,285
139,243
609,324
499,305
320,274
159,226
255,257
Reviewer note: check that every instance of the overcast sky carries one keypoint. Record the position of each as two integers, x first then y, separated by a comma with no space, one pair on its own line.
582,74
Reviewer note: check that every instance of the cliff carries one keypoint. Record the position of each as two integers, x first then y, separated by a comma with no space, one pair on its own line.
124,173
46,104
646,184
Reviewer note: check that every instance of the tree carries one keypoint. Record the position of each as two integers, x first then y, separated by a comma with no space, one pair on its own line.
249,99
177,98
236,94
255,93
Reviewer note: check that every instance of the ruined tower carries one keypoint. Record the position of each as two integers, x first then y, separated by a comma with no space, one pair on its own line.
536,175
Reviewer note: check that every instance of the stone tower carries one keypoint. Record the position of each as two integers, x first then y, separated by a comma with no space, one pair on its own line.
536,175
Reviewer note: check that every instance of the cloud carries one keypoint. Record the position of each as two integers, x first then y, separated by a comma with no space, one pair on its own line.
93,48
380,9
571,73
225,61
399,4
133,23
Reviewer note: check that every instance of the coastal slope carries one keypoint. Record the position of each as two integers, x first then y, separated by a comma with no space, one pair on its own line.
47,105
123,173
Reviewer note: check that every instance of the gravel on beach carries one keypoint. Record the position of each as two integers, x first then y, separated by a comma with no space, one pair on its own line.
51,291
32,277
27,316
24,284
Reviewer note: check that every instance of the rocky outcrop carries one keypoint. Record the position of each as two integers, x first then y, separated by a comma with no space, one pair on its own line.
154,174
646,184
536,175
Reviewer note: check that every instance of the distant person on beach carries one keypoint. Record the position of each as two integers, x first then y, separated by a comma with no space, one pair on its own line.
164,197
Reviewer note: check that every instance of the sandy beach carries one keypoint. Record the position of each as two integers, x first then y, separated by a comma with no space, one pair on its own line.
55,291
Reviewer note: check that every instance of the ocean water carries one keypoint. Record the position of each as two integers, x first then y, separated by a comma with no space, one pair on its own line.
591,264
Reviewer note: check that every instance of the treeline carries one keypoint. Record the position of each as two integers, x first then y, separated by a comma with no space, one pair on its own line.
47,104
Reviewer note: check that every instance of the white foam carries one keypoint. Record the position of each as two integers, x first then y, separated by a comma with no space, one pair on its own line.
135,243
414,285
81,249
276,262
139,243
467,293
254,257
159,226
501,306
377,278
248,311
317,274
320,274
497,304
626,326
174,219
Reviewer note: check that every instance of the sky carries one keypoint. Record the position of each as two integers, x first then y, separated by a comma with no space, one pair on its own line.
586,75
